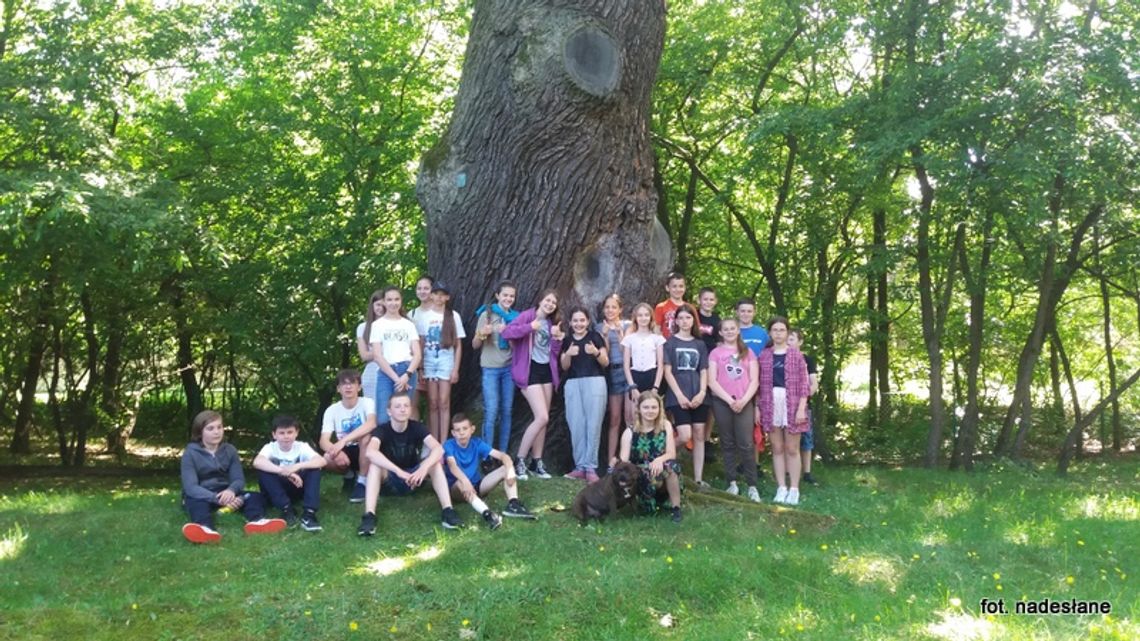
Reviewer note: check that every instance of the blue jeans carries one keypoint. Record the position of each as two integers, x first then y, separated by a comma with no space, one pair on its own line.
202,511
282,494
385,388
498,399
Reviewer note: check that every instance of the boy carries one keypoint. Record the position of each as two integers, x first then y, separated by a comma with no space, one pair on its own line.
754,336
667,309
288,471
352,419
708,319
807,441
464,454
395,466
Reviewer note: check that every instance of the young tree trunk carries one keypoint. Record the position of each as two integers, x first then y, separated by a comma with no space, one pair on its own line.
1110,358
37,346
545,174
881,327
1074,434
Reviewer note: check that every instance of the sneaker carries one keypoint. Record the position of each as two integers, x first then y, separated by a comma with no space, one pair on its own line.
810,480
367,524
349,481
492,520
357,495
265,526
540,470
703,485
515,509
753,494
733,489
676,514
578,475
309,522
591,476
793,497
520,470
289,515
196,533
781,495
450,519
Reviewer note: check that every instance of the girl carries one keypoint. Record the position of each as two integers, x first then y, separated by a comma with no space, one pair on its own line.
441,331
585,360
649,444
536,340
498,390
733,385
423,295
686,373
784,391
613,329
642,354
396,350
212,479
364,344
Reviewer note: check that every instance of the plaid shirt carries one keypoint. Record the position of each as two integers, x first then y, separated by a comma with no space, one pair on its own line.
795,378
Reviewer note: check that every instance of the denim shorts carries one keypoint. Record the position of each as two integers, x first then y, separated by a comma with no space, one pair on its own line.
395,486
438,364
616,381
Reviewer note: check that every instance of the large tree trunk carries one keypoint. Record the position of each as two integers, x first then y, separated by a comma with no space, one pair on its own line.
546,174
37,346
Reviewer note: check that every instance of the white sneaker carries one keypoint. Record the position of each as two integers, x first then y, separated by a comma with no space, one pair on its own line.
781,495
732,489
520,470
753,494
793,497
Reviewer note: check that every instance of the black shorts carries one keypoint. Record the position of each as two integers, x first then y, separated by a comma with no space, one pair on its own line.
643,381
700,414
539,374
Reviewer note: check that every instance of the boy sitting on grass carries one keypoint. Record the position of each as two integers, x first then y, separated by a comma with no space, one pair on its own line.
352,420
395,465
464,454
212,479
288,471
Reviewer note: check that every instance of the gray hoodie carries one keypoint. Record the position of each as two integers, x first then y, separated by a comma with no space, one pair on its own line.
205,474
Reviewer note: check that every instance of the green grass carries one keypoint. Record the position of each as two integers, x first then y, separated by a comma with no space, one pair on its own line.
875,553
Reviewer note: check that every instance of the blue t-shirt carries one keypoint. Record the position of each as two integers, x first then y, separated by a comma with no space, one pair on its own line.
467,458
755,337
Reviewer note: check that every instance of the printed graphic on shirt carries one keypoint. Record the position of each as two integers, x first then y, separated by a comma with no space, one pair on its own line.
394,334
687,359
734,369
349,423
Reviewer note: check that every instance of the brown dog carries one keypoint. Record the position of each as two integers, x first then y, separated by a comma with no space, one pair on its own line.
607,494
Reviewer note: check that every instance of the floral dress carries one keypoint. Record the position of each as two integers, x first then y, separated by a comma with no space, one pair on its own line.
643,448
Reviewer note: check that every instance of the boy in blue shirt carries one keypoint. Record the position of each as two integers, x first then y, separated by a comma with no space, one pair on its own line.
463,454
754,336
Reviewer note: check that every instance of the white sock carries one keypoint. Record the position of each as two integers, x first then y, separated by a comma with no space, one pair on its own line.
361,480
478,505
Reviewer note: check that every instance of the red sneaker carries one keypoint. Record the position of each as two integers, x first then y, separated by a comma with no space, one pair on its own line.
265,526
195,533
591,476
577,475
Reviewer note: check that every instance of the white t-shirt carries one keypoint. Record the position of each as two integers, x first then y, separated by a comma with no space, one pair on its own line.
642,350
395,338
429,324
299,453
342,420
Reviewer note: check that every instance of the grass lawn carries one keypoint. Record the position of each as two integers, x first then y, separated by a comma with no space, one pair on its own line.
873,553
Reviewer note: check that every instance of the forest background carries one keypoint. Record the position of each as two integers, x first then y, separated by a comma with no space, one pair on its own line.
196,200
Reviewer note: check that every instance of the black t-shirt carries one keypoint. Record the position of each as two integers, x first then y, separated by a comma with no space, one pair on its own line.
709,330
402,448
778,369
810,365
584,365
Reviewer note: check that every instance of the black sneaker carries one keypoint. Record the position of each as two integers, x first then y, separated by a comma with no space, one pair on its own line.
309,522
357,495
810,480
367,524
450,519
349,482
539,470
516,510
676,514
290,516
492,520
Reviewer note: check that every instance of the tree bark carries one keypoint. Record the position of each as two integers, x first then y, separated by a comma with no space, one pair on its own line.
545,174
37,346
1074,434
1110,357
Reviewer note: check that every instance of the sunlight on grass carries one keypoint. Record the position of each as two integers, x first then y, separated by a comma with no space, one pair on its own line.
13,543
1032,533
42,503
393,564
506,573
935,538
962,626
870,569
947,506
1109,508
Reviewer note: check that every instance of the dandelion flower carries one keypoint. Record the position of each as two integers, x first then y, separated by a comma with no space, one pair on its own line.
997,576
823,547
1069,579
352,625
668,559
956,602
792,531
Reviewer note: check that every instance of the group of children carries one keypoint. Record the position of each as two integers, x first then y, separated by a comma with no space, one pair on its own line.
754,380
